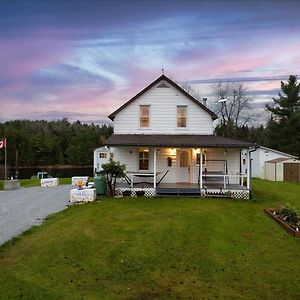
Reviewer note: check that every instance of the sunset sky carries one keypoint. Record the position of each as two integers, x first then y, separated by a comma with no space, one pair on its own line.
83,59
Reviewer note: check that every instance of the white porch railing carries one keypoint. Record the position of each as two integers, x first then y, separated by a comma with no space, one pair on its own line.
226,176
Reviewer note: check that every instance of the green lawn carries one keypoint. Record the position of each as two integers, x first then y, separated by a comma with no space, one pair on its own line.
36,182
168,248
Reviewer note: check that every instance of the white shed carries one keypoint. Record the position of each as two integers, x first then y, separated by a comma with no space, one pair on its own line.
282,169
259,157
102,155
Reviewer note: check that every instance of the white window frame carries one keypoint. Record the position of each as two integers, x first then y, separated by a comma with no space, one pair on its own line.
143,150
186,118
148,106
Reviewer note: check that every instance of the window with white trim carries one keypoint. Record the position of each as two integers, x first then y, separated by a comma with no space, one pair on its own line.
143,158
181,116
144,116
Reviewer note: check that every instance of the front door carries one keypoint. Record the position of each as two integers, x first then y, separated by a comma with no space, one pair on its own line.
183,165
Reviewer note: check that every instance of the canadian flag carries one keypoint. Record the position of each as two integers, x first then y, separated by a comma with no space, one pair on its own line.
3,143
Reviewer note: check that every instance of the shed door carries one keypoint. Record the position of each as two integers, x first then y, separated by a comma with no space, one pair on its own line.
290,172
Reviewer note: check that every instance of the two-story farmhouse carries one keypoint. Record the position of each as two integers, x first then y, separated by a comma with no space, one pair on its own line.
165,138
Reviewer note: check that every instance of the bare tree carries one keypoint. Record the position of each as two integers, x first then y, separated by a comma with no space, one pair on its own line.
196,94
234,110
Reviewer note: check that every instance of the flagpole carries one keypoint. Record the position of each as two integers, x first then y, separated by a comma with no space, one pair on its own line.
5,157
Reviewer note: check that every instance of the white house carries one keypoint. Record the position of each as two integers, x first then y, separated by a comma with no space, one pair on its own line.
258,158
165,138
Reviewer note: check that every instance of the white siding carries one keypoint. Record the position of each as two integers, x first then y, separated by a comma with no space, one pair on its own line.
99,161
163,114
129,157
258,159
270,171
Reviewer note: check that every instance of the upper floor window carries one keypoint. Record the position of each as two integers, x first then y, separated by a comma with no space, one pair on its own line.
181,116
144,116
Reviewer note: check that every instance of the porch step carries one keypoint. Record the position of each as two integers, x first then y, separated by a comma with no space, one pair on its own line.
177,192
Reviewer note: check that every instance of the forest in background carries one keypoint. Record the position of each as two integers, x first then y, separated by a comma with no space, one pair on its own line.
38,143
41,143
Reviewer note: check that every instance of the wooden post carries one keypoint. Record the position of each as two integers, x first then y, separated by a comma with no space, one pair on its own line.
154,169
201,167
248,169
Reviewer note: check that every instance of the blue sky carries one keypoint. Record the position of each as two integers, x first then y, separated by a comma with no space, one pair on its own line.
83,59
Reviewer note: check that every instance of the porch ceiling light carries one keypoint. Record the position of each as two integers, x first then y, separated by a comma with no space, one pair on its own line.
172,151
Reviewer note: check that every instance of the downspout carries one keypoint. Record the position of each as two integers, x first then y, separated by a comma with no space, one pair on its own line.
249,169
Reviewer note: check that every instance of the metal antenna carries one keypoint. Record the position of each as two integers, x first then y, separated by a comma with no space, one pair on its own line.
162,68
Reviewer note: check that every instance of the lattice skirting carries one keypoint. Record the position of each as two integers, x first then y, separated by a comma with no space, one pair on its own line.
236,194
149,192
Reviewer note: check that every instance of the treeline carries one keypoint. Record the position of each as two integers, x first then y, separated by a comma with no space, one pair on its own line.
33,143
282,130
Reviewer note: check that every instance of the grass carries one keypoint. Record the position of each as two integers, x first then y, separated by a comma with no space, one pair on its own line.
36,182
169,248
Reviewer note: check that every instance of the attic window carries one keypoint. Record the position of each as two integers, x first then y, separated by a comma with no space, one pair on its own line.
163,85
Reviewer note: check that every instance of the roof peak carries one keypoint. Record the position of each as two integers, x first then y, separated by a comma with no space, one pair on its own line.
174,84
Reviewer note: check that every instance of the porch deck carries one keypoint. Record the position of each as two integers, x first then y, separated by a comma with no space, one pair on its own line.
182,185
184,189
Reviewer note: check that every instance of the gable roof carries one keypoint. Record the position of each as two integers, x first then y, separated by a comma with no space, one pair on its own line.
163,77
277,151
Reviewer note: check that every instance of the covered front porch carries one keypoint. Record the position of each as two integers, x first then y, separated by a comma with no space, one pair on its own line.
183,171
182,164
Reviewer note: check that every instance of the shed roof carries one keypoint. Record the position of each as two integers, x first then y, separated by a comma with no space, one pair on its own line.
277,160
164,140
163,77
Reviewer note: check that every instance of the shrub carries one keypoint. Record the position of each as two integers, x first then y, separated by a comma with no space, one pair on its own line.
289,214
113,170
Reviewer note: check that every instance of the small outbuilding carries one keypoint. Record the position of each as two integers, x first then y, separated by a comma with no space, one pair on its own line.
102,155
282,169
258,158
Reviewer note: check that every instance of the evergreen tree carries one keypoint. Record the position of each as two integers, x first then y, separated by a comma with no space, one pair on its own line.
283,128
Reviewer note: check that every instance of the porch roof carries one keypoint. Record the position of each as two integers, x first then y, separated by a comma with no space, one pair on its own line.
164,140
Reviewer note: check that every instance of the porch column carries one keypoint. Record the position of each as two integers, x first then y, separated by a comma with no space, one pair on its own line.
248,169
201,168
154,168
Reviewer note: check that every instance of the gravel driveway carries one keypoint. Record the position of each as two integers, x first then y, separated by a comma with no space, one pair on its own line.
23,208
